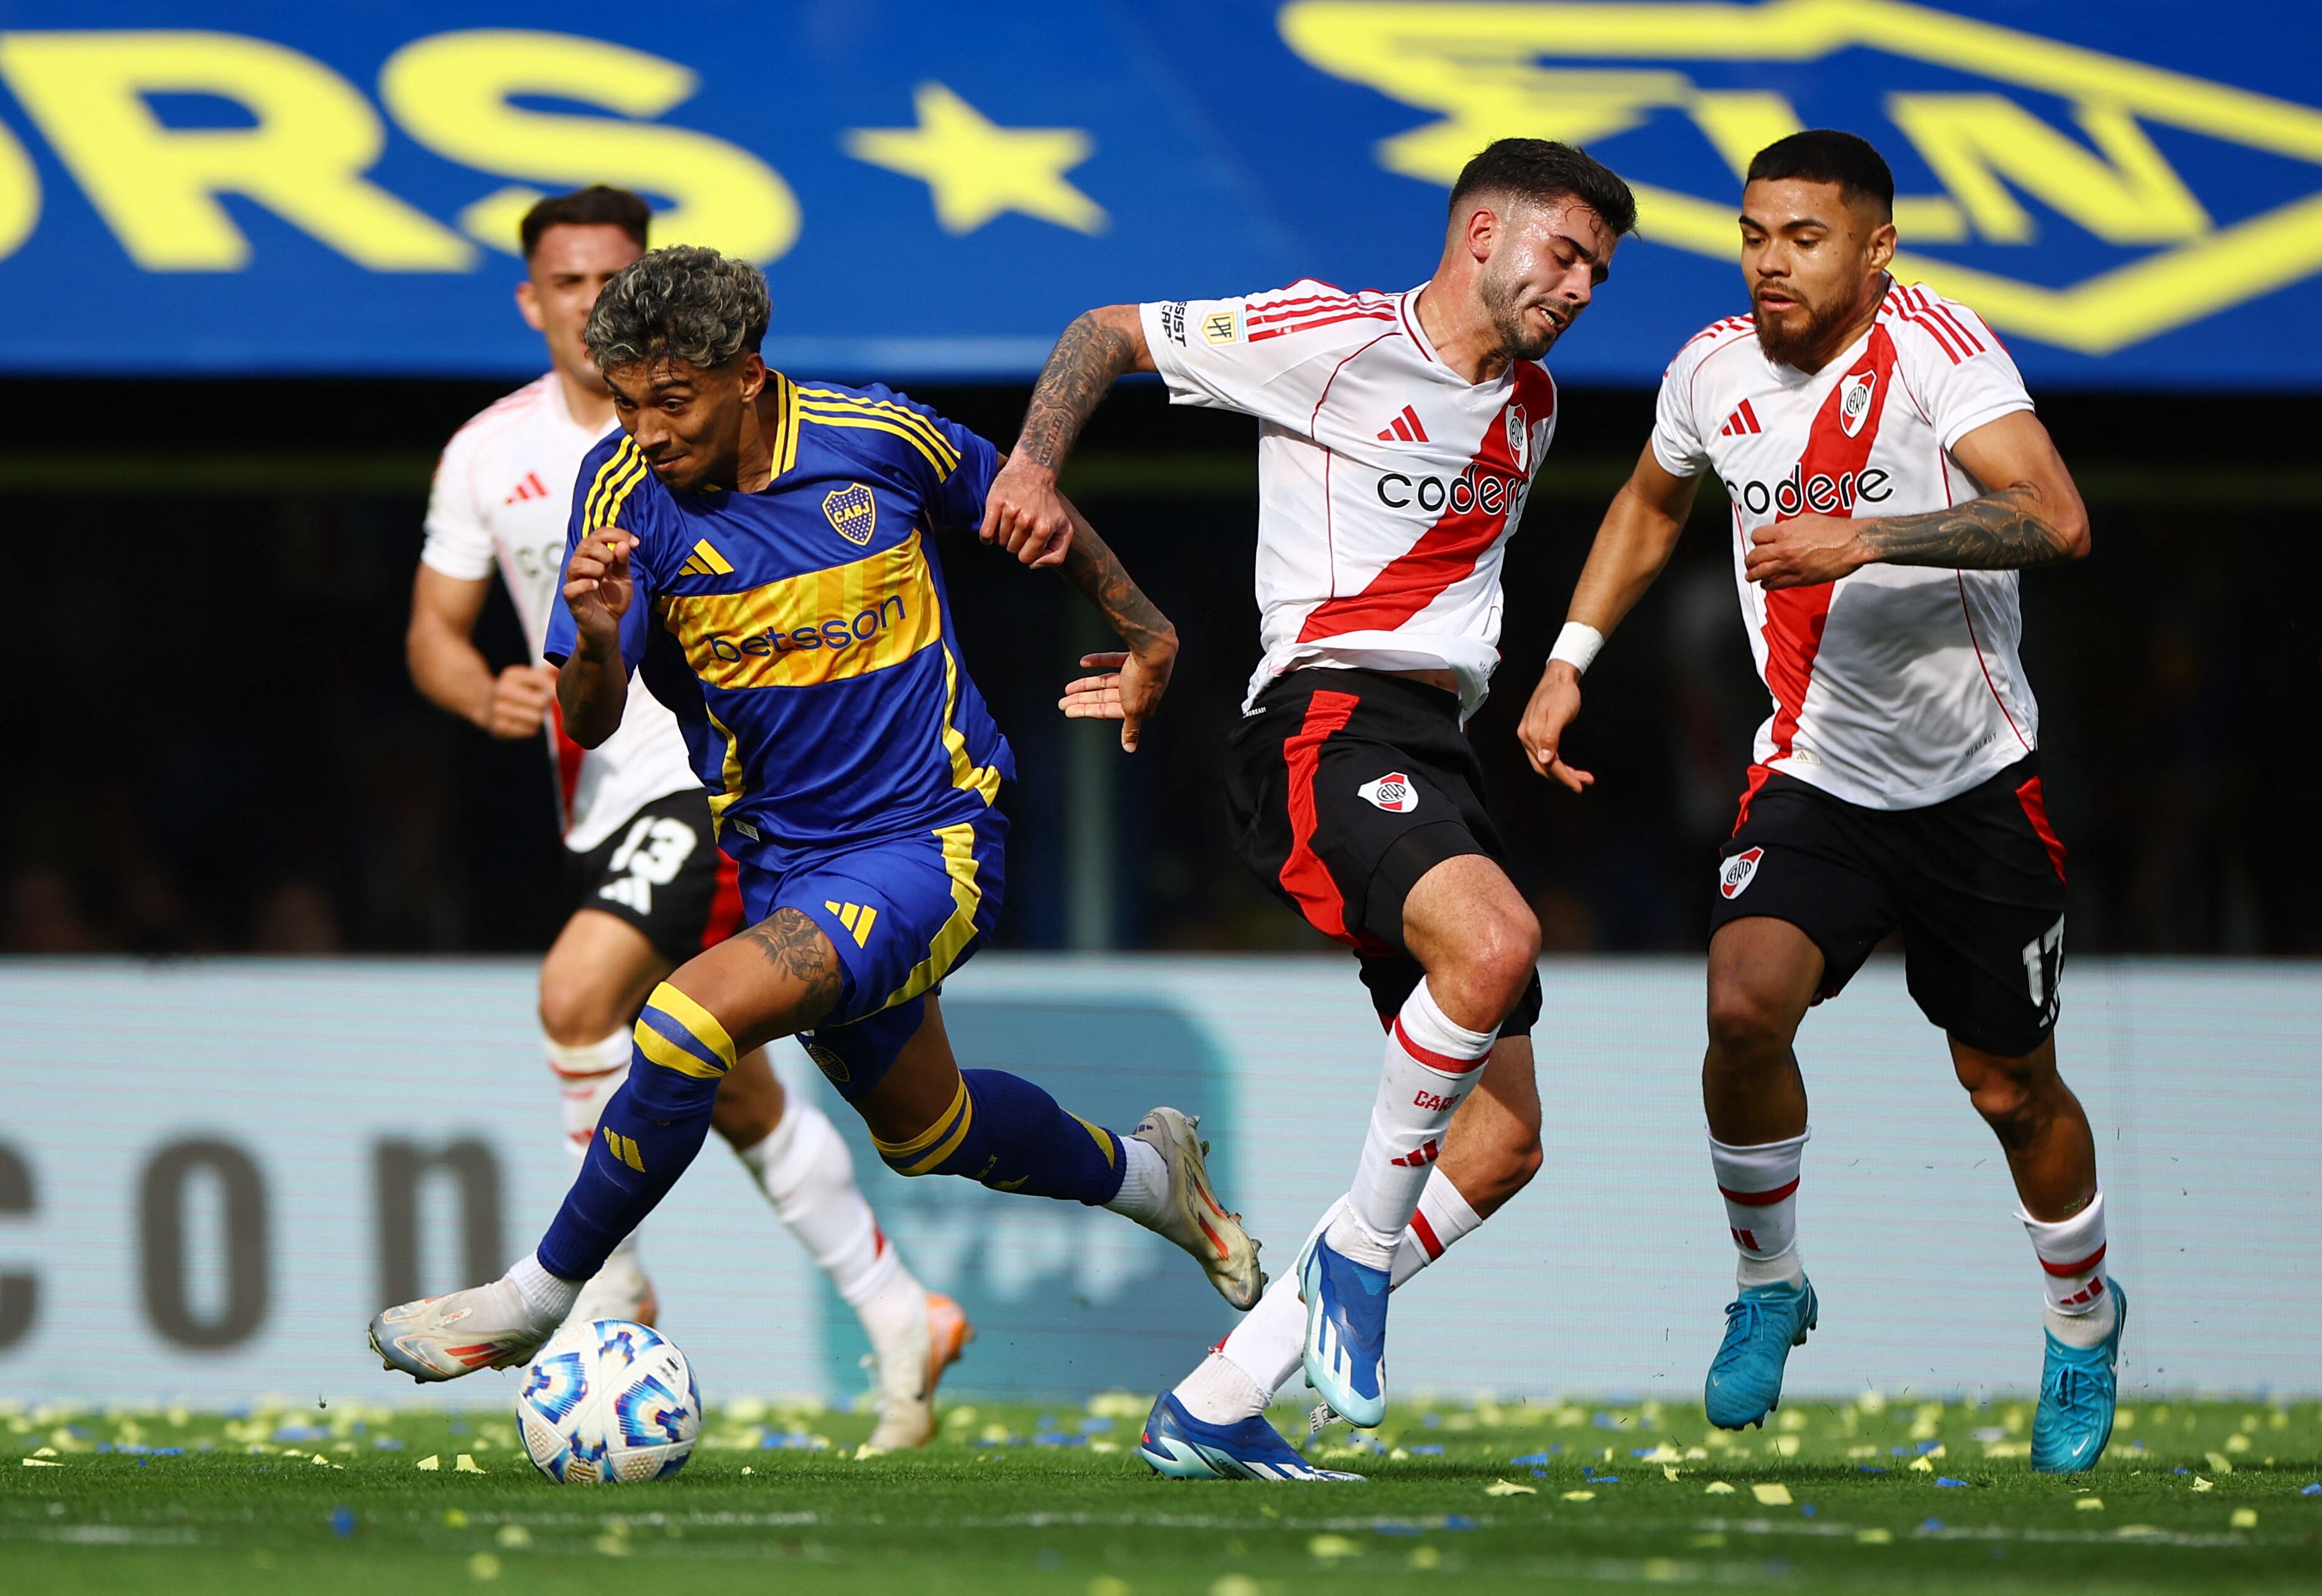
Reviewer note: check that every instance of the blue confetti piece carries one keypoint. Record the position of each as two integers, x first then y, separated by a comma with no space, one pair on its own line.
1539,1474
1931,1525
1924,1447
1058,1438
1642,1451
1432,1422
387,1443
1808,1510
1864,1468
1530,1457
1096,1425
1429,1451
2180,1471
1604,1479
1461,1520
2313,1490
1946,1483
301,1432
342,1522
1397,1529
1898,1452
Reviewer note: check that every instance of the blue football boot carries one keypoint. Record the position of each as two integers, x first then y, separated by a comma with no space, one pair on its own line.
1181,1447
1745,1377
1346,1332
2078,1388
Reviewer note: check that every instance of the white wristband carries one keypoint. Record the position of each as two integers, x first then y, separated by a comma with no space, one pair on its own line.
1577,645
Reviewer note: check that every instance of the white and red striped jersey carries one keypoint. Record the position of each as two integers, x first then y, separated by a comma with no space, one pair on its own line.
503,496
1387,482
1894,687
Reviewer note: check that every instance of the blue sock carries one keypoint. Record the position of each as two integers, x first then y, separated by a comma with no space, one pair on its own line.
1006,1133
646,1136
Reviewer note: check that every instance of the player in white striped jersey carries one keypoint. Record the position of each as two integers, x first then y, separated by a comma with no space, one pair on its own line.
1399,434
1888,481
652,887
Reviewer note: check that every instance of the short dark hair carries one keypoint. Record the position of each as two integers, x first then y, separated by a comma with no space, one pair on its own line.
684,303
1542,168
1826,155
596,205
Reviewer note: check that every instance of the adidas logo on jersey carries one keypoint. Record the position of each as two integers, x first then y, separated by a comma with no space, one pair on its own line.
705,562
1392,792
1743,420
1735,878
532,487
857,917
1403,428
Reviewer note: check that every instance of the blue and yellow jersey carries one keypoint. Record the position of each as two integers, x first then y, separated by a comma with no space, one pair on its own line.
801,634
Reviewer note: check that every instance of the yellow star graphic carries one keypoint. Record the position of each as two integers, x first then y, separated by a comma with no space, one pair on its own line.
975,168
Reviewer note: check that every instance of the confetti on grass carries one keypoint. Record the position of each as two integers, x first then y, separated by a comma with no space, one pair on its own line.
429,1464
1775,1495
1510,1488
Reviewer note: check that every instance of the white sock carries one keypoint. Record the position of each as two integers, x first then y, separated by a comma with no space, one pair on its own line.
547,1298
1759,1185
589,1074
1219,1390
1266,1347
803,1167
1432,1062
2072,1252
1143,1194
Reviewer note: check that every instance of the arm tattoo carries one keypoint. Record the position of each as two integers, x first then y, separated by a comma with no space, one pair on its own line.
1097,571
2002,530
1084,363
796,946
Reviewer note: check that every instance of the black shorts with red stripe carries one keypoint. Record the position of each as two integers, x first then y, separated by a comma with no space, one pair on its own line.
1975,884
660,869
1344,788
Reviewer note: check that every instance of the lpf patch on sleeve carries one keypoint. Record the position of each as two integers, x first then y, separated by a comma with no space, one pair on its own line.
1392,792
1734,877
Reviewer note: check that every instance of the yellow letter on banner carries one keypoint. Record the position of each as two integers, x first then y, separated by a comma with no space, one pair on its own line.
157,186
2128,194
450,92
20,193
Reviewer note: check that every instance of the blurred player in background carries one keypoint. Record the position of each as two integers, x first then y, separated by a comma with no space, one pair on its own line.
756,552
652,885
1400,434
1888,481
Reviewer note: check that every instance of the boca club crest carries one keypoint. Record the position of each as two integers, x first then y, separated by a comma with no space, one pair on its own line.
853,513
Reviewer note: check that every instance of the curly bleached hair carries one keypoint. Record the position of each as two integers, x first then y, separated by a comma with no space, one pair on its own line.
683,302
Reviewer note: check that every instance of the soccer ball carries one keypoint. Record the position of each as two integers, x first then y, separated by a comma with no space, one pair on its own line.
608,1403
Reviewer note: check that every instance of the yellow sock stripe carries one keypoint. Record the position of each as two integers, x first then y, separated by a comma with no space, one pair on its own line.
823,399
698,1023
959,863
1104,1138
931,1147
966,773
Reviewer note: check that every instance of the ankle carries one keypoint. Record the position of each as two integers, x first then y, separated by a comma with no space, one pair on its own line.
1783,1269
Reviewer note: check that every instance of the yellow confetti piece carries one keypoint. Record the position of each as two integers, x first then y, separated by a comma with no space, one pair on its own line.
430,1463
483,1565
1783,1446
457,1518
749,1471
1939,1450
1664,1452
1420,1557
513,1534
41,1463
1920,1465
1668,1473
1874,1537
44,1452
1775,1495
1399,1455
1510,1488
2089,1504
2244,1519
611,1545
2201,1484
1237,1585
1580,1496
2219,1463
466,1466
1331,1547
1100,1448
1717,1488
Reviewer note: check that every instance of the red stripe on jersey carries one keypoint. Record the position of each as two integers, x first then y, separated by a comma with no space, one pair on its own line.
1442,1064
1948,314
1262,334
1425,1232
1758,777
2035,810
1259,304
1749,417
1418,433
1757,1199
1943,339
1303,309
566,755
725,916
1400,428
1795,617
1446,551
1304,875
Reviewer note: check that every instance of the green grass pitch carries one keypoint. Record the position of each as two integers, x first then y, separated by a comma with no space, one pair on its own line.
1872,1496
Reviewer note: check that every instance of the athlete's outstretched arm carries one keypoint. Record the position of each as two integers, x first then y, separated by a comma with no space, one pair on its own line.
1024,513
1130,689
1634,544
2036,518
592,687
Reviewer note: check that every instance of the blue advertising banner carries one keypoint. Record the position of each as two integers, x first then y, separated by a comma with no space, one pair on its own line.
2131,195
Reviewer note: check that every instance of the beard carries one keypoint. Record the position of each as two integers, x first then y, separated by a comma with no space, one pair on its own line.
1518,342
1796,344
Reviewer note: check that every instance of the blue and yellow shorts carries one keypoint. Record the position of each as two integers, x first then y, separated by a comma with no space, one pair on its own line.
902,913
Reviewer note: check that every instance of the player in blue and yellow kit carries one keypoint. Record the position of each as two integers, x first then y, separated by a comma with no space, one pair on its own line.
755,549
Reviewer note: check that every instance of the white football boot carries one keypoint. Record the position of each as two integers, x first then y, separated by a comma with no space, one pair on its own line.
619,1291
445,1337
908,1371
1193,1218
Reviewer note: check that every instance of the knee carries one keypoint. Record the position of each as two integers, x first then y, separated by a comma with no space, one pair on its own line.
1747,1022
1489,978
575,1011
2012,1099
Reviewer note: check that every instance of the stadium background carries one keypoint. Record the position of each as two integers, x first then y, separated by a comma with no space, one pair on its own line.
233,367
